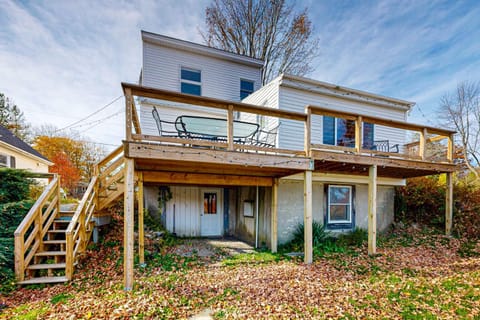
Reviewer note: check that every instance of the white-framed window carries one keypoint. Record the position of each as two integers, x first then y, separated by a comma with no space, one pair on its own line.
246,88
7,161
191,81
339,205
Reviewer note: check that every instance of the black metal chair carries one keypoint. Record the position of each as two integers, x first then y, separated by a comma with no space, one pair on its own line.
160,125
384,146
265,138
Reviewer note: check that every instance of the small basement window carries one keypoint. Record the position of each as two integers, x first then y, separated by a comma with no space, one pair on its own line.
339,207
191,81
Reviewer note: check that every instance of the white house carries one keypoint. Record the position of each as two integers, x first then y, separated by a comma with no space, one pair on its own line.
339,200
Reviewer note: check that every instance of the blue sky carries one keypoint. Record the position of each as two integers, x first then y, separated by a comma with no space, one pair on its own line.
62,60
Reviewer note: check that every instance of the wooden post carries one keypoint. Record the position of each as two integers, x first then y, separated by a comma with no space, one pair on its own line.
422,144
128,114
358,134
69,255
449,204
307,217
274,222
372,209
128,224
230,127
20,257
308,132
141,231
450,148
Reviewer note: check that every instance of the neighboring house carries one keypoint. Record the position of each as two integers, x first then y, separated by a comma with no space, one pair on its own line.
16,153
176,65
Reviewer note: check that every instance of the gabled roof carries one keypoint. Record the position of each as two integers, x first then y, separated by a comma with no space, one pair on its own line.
7,137
199,49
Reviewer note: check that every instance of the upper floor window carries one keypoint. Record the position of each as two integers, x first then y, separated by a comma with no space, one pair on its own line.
246,88
7,161
191,81
341,132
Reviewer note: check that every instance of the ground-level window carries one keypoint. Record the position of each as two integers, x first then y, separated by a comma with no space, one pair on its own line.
339,206
191,81
341,132
246,88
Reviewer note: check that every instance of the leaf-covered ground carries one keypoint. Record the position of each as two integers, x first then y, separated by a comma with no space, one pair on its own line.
416,275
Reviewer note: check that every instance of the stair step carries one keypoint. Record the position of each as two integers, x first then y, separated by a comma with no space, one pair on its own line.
42,266
57,231
67,212
54,241
50,253
41,280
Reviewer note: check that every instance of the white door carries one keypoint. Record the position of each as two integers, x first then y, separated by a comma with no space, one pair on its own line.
211,212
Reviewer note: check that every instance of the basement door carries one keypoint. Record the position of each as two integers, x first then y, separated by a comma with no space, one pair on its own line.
211,215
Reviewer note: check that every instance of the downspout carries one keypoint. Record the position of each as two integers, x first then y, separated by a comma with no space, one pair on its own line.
256,217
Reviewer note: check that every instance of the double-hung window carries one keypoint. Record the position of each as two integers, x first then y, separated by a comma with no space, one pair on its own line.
341,132
7,161
246,88
339,206
191,81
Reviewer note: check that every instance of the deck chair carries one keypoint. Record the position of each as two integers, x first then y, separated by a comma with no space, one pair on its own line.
266,138
161,124
384,146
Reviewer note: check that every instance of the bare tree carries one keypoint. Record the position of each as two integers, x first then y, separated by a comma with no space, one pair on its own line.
264,29
462,109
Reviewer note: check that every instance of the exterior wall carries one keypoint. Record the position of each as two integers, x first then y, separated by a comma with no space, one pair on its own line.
22,161
220,78
291,133
290,206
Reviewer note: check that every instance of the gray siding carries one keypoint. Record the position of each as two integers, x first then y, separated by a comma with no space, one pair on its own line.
220,78
291,133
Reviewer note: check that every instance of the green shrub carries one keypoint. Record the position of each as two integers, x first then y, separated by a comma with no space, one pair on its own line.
15,185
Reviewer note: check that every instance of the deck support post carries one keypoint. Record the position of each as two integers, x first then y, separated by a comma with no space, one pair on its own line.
372,210
128,224
274,221
141,230
307,217
449,204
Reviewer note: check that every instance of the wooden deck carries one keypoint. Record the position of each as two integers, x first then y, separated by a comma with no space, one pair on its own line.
151,159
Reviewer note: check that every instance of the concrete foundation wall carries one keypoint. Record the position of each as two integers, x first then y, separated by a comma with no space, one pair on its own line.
290,206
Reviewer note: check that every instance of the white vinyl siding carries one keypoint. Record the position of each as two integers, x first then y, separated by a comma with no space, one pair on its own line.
185,205
220,78
292,132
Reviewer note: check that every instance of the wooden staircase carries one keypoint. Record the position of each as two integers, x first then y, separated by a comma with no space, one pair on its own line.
49,241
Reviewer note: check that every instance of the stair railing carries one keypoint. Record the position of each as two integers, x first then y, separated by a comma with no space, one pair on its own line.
80,227
31,231
110,173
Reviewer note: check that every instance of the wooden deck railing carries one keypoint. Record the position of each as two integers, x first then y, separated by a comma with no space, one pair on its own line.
80,227
31,231
436,135
426,134
110,178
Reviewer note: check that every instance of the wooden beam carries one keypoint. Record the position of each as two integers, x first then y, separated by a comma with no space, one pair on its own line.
274,218
151,151
450,148
136,119
141,228
358,134
449,204
128,225
205,179
308,132
422,147
230,127
382,161
372,210
155,93
308,217
128,114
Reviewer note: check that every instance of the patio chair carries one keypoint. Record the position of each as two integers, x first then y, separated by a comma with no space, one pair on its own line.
161,123
265,138
384,146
